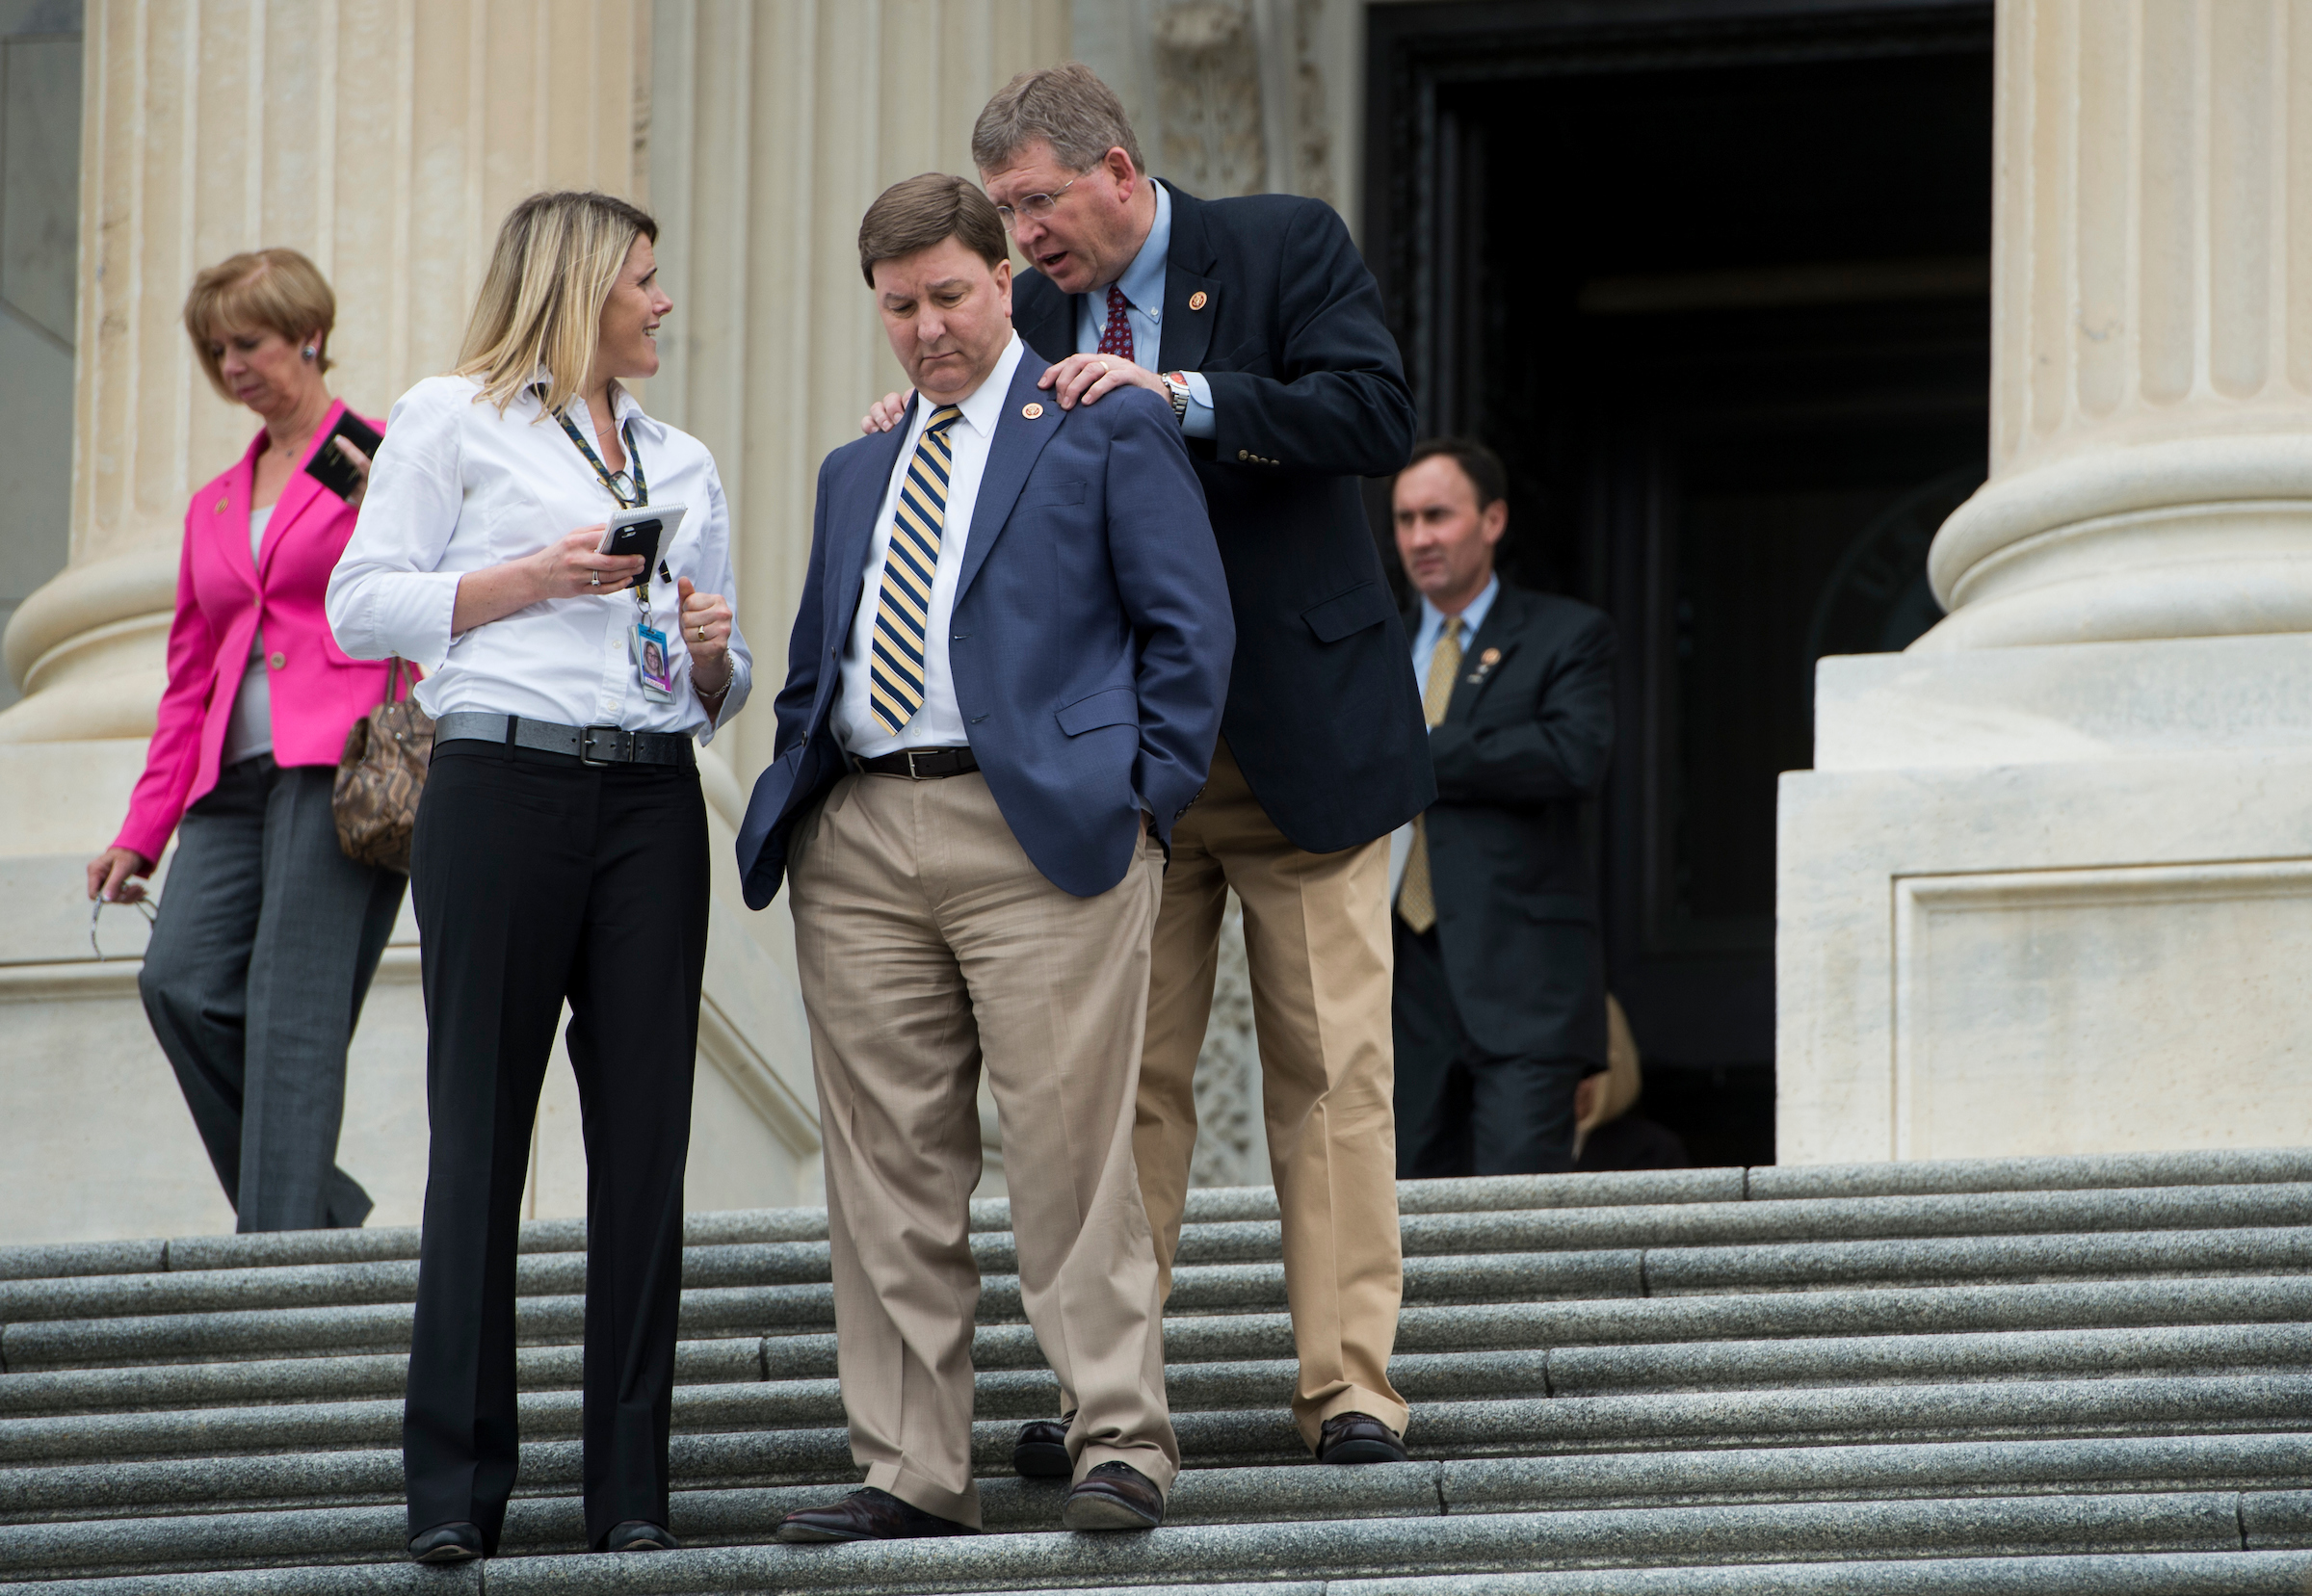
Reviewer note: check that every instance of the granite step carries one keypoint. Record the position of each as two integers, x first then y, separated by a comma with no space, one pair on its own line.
1582,1243
292,1354
2131,1171
181,1491
2155,1574
1331,1548
1885,1377
276,1312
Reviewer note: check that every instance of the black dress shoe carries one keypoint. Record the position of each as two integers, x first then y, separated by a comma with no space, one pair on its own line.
446,1543
1358,1438
1114,1496
866,1514
640,1534
1041,1451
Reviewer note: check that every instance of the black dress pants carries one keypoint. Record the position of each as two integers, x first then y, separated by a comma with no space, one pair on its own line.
538,878
1461,1110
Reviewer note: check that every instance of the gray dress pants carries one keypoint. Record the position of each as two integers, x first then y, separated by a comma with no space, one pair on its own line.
267,939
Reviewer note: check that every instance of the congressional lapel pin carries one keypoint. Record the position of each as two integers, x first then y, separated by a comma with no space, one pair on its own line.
1485,663
1199,299
1031,410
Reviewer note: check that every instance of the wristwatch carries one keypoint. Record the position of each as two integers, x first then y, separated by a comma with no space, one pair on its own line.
1175,383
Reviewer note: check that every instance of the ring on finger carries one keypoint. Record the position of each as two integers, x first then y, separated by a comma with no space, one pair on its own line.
594,578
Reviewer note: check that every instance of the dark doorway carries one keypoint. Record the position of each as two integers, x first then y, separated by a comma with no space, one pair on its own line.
1713,278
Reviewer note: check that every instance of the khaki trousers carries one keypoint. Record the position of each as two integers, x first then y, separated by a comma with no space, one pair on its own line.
1317,938
929,947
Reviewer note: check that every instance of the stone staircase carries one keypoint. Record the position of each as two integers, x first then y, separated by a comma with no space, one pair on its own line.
2051,1375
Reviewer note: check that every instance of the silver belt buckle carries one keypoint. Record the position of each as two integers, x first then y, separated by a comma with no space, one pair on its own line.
912,753
621,743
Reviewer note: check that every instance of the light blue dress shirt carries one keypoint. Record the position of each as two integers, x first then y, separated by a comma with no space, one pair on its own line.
1433,627
1142,285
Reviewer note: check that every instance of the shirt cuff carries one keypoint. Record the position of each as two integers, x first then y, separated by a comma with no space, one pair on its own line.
412,616
1199,421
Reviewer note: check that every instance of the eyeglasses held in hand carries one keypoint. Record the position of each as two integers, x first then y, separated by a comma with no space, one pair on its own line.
148,907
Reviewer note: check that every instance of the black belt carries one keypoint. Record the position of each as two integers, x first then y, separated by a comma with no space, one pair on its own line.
918,764
589,744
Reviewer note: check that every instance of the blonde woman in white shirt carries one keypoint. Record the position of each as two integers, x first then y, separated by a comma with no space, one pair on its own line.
560,845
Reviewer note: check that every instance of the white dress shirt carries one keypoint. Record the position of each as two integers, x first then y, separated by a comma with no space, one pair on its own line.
939,724
1142,288
460,487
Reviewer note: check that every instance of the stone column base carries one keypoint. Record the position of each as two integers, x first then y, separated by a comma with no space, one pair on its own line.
2049,899
103,1146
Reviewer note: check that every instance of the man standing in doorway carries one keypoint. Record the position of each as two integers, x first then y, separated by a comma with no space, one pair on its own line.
1501,999
1257,322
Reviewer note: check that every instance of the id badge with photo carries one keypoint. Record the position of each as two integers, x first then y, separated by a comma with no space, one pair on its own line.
651,662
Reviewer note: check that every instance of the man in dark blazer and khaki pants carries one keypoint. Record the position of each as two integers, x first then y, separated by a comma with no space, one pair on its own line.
1501,1001
1003,689
1257,322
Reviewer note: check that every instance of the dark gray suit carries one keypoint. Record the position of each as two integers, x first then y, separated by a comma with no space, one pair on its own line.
1501,1007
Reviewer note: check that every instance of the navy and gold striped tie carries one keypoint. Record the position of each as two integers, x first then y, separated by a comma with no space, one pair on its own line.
895,668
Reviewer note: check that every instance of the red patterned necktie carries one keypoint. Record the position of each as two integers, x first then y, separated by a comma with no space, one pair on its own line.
1115,338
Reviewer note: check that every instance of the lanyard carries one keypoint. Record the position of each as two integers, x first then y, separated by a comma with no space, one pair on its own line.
610,478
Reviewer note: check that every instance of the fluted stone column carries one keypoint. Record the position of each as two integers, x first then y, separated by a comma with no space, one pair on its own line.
385,138
382,139
2048,887
2152,358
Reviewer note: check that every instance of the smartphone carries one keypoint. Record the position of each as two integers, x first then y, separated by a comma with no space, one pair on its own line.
640,530
332,469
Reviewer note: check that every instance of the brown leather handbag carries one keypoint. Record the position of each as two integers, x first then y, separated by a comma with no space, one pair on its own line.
379,778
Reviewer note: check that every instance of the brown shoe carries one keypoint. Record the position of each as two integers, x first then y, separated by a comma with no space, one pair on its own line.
1358,1438
1114,1496
866,1514
1041,1451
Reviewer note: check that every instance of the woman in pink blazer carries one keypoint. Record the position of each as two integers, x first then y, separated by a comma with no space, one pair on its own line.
265,945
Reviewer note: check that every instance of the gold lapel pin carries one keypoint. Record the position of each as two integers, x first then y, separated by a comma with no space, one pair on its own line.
1199,299
1031,410
1491,656
222,504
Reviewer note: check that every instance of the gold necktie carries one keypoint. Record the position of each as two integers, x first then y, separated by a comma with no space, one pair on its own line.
895,662
1416,899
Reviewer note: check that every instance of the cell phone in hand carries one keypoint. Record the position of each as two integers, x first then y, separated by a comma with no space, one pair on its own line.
330,468
641,531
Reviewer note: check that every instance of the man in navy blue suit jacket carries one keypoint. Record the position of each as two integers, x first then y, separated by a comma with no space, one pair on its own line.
1003,689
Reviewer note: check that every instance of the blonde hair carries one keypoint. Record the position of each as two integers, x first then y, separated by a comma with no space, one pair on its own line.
557,257
276,289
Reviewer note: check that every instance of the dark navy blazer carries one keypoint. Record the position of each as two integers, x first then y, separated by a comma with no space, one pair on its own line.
1089,644
1268,298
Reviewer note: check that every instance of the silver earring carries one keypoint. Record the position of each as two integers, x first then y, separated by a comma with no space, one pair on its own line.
310,351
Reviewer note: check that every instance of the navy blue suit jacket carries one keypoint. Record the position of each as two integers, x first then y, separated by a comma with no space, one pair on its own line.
1089,644
1268,298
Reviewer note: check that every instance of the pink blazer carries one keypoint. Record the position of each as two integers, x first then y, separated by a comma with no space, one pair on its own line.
222,596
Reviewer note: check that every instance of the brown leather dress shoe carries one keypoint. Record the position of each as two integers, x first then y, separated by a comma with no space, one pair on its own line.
1358,1438
1114,1496
1041,1451
866,1514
